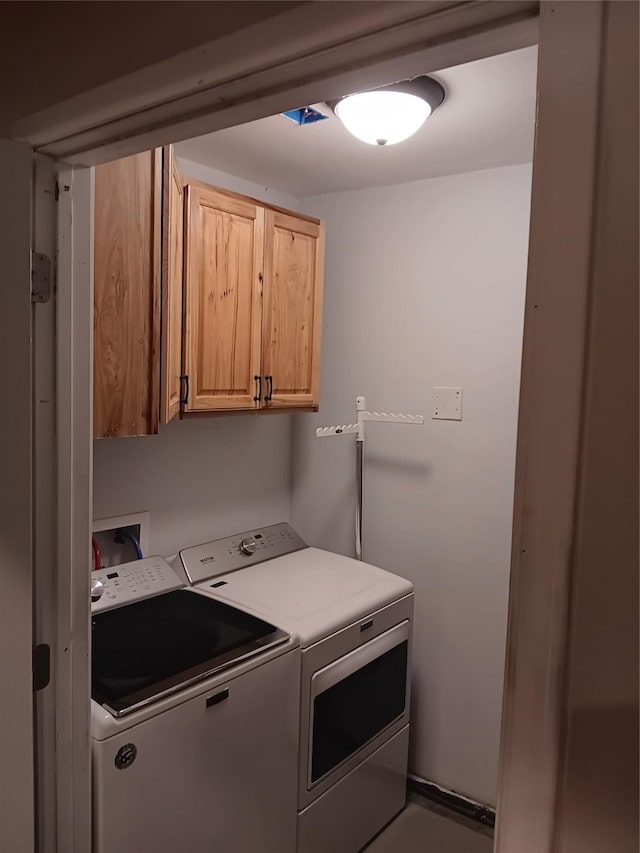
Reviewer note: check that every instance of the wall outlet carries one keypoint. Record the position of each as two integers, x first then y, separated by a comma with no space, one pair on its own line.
447,404
114,553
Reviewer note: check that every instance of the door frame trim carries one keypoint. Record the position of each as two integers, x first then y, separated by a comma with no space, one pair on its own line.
550,422
74,451
17,633
300,56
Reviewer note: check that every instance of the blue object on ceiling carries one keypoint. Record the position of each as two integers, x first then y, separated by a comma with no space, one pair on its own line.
304,115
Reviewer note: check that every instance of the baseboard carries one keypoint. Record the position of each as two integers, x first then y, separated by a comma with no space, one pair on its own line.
449,799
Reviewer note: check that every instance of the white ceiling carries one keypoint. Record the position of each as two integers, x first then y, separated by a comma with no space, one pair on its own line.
487,120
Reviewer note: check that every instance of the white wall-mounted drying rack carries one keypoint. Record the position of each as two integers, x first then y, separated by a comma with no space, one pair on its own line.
357,429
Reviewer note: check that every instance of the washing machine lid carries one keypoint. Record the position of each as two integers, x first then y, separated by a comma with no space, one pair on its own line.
156,646
311,592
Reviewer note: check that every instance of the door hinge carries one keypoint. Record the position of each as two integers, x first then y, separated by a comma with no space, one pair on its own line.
40,277
41,666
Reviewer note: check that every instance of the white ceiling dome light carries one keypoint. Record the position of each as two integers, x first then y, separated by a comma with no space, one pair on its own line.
391,113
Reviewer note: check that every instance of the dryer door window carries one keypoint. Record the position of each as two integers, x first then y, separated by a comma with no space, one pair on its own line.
356,698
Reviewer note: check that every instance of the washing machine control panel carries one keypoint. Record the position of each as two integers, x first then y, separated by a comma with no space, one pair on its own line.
131,581
236,552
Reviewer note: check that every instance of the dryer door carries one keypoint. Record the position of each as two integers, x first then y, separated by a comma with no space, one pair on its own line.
355,698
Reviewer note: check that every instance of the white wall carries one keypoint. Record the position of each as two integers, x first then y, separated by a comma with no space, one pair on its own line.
189,169
200,478
425,286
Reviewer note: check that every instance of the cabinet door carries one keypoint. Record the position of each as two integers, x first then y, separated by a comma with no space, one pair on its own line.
172,268
223,300
294,260
127,226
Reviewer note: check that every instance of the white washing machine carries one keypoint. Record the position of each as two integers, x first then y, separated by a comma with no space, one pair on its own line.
194,719
354,623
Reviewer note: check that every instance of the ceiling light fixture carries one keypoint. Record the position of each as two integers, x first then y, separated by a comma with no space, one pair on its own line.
391,113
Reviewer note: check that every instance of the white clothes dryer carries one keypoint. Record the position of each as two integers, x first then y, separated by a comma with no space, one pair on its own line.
354,622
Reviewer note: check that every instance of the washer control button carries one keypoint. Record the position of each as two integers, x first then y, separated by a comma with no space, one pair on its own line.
248,546
97,589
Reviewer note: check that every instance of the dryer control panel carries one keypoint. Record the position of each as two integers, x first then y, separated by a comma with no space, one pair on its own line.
237,552
129,582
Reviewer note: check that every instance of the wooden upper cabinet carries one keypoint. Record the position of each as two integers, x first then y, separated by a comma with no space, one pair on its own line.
127,226
241,293
172,269
292,325
223,299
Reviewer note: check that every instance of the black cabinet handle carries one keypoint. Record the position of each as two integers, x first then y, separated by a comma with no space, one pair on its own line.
258,396
217,698
269,394
185,399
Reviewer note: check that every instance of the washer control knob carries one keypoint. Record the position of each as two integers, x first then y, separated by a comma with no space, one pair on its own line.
248,546
97,589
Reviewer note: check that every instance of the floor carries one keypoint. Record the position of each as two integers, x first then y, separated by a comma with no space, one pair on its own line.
426,828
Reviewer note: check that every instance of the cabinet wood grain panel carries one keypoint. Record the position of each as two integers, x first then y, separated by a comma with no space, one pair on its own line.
294,271
127,231
172,268
223,299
